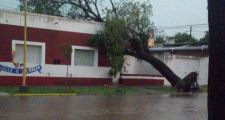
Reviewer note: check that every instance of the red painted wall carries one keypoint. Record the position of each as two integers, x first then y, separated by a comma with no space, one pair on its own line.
141,82
53,39
197,53
54,81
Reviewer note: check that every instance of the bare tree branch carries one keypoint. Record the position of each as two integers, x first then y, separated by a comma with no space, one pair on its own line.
95,3
89,13
114,9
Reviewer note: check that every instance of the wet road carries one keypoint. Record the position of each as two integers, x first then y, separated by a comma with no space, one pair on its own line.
115,107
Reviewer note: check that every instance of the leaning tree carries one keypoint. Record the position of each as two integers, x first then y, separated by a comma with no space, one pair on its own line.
127,26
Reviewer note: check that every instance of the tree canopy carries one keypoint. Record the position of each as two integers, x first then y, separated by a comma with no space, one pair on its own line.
131,21
48,7
184,38
160,37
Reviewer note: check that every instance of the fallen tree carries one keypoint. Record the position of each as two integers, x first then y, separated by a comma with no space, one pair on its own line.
127,25
126,32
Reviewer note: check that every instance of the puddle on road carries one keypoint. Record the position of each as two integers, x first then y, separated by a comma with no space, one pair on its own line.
109,107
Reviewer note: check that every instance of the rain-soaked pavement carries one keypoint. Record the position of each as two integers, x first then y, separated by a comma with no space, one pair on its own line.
109,107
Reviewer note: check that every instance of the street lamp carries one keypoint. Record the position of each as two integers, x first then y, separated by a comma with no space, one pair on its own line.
24,87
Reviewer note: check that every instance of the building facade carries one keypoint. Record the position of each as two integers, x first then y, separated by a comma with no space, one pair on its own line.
47,62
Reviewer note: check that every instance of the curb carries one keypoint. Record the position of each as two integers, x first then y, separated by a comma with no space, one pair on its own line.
62,94
3,94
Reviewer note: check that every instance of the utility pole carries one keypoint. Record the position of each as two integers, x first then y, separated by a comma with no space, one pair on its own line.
190,30
216,81
24,87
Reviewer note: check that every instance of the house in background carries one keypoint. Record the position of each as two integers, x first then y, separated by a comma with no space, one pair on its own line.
46,62
181,58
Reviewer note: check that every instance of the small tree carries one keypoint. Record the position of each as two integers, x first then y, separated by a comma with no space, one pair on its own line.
160,37
67,50
184,38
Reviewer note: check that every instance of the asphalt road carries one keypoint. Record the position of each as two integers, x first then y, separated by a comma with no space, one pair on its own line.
110,107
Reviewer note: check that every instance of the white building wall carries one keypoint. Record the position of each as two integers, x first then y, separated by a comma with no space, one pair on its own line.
129,65
181,65
49,22
203,74
143,67
134,66
61,71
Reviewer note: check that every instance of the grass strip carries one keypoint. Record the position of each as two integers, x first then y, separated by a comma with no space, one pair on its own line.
104,90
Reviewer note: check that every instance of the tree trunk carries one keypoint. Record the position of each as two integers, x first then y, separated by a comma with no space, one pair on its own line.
115,79
189,83
216,81
160,66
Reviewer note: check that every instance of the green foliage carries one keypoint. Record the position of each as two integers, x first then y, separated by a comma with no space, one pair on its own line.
48,7
203,88
73,9
161,89
136,15
143,38
112,39
78,90
204,39
115,38
160,37
184,38
160,40
74,12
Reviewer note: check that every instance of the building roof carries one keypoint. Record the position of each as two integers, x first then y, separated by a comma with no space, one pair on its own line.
176,47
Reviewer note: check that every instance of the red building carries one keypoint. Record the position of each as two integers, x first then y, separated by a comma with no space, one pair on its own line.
46,61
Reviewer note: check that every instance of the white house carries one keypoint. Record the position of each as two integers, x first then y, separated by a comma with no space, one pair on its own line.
182,59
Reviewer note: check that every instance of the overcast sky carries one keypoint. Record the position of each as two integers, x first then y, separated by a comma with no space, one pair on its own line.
181,12
167,13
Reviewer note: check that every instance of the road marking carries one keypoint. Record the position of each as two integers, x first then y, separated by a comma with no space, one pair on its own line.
49,94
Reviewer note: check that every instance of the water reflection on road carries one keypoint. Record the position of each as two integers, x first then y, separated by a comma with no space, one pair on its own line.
109,107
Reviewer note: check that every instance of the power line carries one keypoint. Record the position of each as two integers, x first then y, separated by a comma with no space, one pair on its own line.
198,31
184,26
